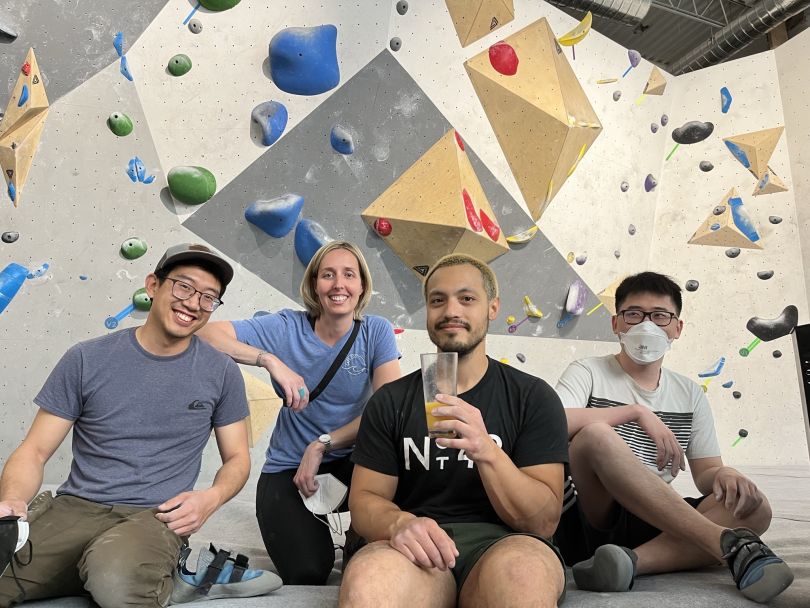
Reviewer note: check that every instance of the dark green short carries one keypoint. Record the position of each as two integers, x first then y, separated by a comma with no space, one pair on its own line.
473,539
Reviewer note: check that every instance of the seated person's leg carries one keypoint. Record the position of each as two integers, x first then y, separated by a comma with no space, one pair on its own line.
379,575
517,570
132,563
59,528
301,547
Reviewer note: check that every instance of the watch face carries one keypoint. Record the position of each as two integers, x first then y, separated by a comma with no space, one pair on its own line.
326,439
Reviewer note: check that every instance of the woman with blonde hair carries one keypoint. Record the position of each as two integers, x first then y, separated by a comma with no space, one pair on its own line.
325,362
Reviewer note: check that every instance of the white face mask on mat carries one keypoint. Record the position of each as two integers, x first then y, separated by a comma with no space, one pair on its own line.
327,499
645,343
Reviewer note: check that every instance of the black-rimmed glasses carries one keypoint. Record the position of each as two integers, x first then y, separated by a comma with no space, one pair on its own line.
183,291
661,318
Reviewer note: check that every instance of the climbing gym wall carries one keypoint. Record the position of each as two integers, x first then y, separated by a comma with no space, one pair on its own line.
413,129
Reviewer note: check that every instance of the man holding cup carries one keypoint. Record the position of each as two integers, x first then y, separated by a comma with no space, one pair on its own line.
461,519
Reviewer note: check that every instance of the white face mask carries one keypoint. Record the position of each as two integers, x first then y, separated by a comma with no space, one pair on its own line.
645,343
327,498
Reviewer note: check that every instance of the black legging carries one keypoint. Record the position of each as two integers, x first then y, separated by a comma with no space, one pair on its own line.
300,547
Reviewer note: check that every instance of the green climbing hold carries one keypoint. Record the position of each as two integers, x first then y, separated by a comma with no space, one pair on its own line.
192,185
120,124
141,300
218,5
179,65
133,248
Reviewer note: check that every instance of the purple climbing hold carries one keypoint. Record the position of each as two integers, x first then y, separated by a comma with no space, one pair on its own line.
309,237
276,216
634,57
303,60
664,120
271,116
650,183
654,127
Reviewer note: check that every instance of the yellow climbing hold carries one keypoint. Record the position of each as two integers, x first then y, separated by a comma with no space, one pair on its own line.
570,257
576,35
522,237
579,158
510,320
504,360
530,309
607,80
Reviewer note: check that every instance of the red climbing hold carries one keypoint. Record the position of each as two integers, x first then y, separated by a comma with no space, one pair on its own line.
459,141
493,230
398,330
382,226
503,58
26,68
472,217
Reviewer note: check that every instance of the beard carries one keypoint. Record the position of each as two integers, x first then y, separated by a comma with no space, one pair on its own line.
456,344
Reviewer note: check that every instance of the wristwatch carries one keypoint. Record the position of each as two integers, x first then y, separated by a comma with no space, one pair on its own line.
326,441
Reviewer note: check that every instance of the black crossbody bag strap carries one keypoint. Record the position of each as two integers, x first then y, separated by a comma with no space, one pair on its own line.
313,395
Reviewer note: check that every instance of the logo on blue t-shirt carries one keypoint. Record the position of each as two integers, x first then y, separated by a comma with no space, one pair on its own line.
355,364
197,405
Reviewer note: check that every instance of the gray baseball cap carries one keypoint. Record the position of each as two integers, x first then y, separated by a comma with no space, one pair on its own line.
188,253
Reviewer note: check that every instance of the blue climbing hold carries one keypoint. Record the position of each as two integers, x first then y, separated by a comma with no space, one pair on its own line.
303,60
342,140
276,216
11,279
140,169
715,226
738,153
132,170
118,43
12,192
271,116
125,68
725,100
23,96
742,220
309,237
728,384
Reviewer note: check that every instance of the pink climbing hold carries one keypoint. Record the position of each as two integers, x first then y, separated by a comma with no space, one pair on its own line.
26,68
459,141
503,58
493,230
472,216
382,226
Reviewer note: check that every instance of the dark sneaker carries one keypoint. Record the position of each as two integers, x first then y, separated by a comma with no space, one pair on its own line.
219,576
612,568
760,574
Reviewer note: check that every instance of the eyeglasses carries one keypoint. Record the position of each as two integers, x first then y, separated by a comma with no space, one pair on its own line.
183,291
661,318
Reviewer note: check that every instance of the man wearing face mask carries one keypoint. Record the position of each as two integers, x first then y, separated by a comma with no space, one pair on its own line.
631,425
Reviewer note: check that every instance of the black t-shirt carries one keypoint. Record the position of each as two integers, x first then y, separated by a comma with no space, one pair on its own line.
521,412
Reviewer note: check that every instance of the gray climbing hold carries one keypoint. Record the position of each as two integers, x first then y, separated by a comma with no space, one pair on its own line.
631,229
10,236
341,140
771,329
617,254
654,127
777,354
521,357
692,285
395,44
705,166
774,219
195,26
581,259
765,274
719,210
624,186
617,95
402,7
736,394
733,252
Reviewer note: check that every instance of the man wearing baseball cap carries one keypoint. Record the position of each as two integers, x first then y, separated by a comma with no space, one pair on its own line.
141,403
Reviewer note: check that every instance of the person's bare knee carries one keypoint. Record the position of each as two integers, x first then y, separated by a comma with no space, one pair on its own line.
379,576
515,571
594,439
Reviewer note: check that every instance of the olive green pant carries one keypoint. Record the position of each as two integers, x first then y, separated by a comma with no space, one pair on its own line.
121,556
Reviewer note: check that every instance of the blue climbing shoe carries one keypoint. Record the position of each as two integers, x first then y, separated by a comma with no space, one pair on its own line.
219,576
759,574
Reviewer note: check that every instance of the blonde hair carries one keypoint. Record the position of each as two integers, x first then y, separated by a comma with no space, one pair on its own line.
308,295
457,259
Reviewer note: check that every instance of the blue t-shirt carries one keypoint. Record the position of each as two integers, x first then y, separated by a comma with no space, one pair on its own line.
140,421
289,336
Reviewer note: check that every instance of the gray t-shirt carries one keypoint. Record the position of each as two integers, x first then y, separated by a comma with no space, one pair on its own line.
141,421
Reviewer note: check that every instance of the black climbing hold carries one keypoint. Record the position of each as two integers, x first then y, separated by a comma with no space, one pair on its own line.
395,44
402,7
774,219
692,285
771,329
733,252
765,274
736,394
10,236
777,354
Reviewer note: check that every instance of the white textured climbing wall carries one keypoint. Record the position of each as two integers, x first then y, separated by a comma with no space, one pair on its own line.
730,291
79,203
